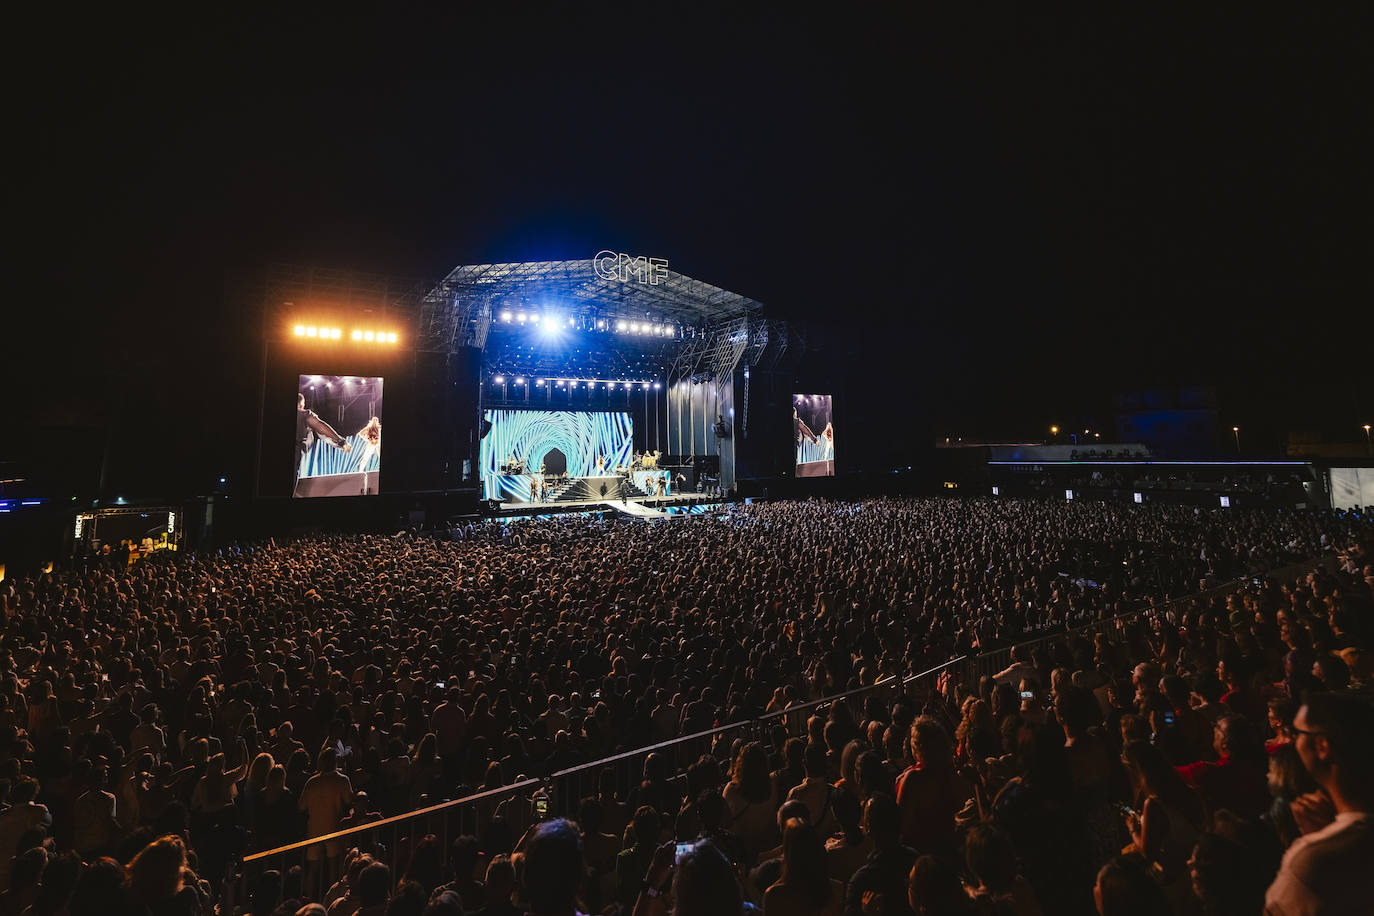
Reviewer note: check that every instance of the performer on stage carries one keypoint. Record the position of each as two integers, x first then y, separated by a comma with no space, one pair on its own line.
828,435
309,427
600,465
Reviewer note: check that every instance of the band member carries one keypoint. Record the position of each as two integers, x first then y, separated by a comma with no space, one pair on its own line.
828,436
600,464
309,427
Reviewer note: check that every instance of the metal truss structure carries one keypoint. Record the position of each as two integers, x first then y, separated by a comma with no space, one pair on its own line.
691,329
684,321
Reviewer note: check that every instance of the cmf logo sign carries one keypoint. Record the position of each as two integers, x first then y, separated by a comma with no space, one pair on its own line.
611,265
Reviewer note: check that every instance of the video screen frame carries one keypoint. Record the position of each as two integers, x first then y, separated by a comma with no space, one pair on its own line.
813,435
338,440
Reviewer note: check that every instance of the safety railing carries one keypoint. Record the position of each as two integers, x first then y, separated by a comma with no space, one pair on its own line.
391,839
527,801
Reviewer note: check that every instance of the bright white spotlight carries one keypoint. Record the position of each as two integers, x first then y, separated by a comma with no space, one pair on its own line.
539,382
655,384
357,335
505,315
311,332
300,330
369,336
336,333
519,380
620,325
601,324
499,379
520,317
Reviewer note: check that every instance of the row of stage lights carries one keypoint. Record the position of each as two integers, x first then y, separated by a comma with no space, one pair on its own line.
310,330
572,383
551,322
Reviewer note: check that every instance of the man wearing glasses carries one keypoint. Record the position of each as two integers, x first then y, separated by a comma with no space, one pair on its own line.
1327,869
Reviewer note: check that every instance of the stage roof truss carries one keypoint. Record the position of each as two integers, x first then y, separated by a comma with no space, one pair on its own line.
575,285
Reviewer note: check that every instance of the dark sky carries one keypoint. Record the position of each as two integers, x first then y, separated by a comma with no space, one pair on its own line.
1022,213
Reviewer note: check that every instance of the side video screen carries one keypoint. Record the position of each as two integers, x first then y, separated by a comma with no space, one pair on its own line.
338,436
814,434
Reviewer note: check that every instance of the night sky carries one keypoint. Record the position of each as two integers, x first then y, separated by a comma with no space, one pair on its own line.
1012,215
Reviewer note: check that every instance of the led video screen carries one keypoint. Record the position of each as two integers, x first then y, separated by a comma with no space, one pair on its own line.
338,436
527,444
814,434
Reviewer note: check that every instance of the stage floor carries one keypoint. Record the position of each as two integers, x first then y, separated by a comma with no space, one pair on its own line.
675,499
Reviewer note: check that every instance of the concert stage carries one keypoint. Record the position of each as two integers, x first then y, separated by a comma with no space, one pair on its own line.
649,508
568,383
535,488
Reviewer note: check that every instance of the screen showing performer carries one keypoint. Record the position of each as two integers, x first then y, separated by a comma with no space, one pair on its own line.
552,446
338,436
814,435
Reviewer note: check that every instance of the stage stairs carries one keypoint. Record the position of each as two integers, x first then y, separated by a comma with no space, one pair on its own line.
576,490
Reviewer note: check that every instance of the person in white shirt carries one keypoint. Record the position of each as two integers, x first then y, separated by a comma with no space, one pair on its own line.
1327,869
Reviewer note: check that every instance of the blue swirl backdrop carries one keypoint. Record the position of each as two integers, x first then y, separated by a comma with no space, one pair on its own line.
529,435
326,459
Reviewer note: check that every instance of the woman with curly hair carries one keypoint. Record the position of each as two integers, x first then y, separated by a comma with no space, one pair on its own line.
156,879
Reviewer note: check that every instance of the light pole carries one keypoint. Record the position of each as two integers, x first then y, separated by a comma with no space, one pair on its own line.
1236,430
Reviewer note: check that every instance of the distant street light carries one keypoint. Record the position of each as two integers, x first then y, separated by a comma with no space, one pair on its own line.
1367,449
1236,430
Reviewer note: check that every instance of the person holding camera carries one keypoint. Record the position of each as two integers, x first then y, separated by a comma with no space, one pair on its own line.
1166,819
697,877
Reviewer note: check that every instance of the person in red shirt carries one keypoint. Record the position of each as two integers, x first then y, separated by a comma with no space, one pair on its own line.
1237,779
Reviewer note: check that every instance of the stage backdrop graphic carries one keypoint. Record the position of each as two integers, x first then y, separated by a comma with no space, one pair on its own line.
528,436
814,434
338,436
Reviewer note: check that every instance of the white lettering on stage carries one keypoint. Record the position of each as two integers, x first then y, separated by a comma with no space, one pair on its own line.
612,265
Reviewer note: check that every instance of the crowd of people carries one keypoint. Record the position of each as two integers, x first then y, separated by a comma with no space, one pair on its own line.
159,721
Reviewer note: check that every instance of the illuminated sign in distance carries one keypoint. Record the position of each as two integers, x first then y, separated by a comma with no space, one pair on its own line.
612,265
